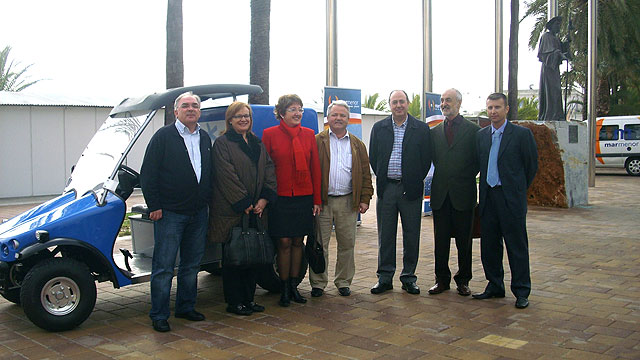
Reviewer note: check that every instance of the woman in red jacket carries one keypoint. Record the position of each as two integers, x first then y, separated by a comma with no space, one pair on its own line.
294,152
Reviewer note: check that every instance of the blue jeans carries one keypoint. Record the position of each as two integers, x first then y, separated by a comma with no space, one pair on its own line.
188,234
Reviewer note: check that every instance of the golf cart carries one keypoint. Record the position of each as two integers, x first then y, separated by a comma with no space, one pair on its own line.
52,255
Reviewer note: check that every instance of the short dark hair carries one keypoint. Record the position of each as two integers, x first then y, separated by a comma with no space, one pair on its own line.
498,96
404,92
284,102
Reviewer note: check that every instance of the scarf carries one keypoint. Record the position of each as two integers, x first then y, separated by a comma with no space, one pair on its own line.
303,175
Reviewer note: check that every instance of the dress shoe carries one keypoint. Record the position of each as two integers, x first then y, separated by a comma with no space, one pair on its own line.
344,291
438,288
161,325
239,309
522,303
486,295
411,288
191,316
316,292
463,289
254,307
379,287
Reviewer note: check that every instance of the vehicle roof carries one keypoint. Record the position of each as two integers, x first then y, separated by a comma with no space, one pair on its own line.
619,118
158,100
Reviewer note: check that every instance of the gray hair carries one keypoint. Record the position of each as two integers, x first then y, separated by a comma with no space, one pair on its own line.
188,93
458,94
338,103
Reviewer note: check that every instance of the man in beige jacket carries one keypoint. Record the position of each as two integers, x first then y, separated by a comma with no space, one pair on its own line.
346,190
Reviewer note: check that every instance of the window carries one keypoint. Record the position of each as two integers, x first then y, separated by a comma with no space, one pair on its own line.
609,132
632,132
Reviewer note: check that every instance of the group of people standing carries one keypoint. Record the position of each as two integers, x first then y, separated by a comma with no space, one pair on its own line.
292,178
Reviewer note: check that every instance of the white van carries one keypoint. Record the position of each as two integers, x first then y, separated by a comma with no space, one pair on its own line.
618,143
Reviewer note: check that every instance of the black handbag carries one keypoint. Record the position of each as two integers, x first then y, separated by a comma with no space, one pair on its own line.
248,246
313,250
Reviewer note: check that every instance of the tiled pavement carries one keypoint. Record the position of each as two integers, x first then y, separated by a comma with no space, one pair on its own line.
585,304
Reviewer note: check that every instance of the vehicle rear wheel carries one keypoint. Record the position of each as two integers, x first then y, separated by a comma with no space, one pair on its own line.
12,295
633,166
58,294
268,278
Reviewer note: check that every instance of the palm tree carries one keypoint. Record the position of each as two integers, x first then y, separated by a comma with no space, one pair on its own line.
12,79
513,60
414,107
371,102
618,45
175,63
259,57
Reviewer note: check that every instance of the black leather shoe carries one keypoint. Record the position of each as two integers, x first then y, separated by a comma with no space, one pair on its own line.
161,325
254,307
522,303
191,316
239,309
411,288
439,288
344,291
487,295
463,289
379,287
316,292
295,294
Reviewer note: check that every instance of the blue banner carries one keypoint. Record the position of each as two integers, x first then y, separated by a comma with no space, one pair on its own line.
352,97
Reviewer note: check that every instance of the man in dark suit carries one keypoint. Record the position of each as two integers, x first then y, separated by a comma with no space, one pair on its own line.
453,192
400,155
508,161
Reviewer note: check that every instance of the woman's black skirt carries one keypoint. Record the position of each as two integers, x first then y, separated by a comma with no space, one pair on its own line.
291,216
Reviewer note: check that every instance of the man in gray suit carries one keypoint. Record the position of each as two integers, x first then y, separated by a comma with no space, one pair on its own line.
508,159
453,192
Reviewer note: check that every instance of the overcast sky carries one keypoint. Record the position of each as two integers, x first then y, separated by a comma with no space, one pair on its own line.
115,49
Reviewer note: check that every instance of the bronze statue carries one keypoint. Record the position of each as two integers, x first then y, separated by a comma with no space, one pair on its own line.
551,52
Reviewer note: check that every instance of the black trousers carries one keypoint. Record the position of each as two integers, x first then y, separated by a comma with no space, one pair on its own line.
238,284
450,223
499,223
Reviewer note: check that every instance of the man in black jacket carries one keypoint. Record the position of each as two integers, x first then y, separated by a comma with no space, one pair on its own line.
176,182
400,155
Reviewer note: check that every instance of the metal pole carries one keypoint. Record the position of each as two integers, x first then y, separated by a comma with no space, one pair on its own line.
332,43
498,54
427,79
592,61
552,9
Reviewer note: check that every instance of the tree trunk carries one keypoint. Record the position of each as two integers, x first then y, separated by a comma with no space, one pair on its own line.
513,61
175,63
603,97
259,57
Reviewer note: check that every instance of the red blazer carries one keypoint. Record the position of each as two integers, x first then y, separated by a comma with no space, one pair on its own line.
280,148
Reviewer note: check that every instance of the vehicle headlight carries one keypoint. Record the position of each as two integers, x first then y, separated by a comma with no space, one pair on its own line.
15,244
5,250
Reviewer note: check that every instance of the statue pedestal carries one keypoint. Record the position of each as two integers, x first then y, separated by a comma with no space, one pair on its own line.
563,165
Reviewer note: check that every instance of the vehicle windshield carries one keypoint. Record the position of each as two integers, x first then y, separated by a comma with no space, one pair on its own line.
103,153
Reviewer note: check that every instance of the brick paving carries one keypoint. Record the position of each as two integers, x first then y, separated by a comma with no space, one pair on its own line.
585,304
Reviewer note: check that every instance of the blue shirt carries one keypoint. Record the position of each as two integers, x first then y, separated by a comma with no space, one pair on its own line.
192,142
394,171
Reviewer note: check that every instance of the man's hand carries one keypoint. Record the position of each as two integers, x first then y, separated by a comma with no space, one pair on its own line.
316,209
363,208
248,210
155,215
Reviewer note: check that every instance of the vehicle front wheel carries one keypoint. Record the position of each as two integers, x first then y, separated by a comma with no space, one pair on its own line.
58,294
633,166
267,277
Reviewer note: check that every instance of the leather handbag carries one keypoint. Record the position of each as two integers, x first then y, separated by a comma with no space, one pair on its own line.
248,246
313,250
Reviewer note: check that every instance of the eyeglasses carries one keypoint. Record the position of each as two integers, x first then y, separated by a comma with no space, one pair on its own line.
291,110
247,116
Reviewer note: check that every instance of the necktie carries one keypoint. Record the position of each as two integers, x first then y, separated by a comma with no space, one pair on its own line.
492,167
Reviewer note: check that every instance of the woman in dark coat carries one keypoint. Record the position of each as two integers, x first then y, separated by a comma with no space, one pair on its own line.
244,182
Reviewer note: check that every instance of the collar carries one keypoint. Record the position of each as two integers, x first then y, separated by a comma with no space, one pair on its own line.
334,134
404,123
500,129
455,121
183,129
